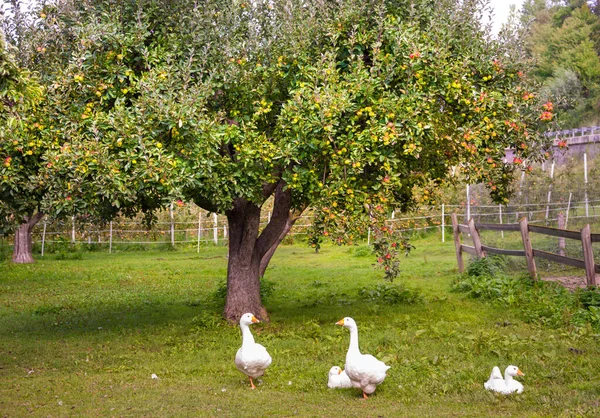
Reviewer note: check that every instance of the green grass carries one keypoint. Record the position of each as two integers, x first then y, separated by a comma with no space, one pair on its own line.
82,337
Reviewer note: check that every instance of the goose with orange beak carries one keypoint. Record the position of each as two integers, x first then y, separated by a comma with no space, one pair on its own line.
507,384
251,359
364,370
338,379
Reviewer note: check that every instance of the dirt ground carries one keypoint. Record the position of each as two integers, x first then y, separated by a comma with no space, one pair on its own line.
570,282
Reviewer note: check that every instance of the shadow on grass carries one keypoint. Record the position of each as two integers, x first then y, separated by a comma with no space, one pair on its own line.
52,321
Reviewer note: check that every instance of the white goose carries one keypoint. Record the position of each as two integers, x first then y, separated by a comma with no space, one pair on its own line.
338,378
364,370
507,384
251,359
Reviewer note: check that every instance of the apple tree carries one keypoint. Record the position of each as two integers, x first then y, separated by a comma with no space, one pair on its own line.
344,107
21,188
79,150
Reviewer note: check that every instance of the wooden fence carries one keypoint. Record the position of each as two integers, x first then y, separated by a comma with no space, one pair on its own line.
480,250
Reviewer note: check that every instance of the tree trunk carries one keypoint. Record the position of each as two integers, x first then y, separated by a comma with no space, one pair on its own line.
249,252
243,282
22,250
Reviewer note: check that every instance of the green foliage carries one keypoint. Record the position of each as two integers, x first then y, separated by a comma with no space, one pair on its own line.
382,99
544,303
69,256
588,297
487,266
21,149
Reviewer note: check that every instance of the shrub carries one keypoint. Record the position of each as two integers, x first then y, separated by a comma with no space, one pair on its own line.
487,266
544,303
362,251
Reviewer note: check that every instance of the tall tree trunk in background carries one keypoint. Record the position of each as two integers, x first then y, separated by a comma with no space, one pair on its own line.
23,247
249,252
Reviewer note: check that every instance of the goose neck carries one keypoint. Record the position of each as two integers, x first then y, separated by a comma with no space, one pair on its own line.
247,337
353,348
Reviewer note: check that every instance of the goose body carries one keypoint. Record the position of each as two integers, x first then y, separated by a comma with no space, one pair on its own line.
507,384
251,359
338,378
364,370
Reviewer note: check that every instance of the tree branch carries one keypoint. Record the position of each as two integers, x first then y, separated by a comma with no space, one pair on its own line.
279,218
293,216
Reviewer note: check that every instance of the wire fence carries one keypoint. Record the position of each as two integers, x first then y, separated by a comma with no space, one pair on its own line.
540,197
192,226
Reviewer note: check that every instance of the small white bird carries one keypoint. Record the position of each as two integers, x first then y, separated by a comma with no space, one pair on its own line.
338,378
507,384
251,359
364,370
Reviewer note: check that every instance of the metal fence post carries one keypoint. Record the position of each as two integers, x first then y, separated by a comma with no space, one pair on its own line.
443,223
199,229
43,237
457,246
215,229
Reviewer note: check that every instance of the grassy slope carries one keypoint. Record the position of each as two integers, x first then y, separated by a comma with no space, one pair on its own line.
82,338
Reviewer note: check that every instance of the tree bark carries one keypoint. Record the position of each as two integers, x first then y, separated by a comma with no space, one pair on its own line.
243,281
23,246
250,253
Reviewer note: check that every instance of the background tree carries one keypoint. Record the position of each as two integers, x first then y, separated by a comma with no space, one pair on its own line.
21,188
65,156
233,104
564,40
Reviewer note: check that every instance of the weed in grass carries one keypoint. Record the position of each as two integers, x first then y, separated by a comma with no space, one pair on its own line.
69,256
362,251
267,288
208,320
391,294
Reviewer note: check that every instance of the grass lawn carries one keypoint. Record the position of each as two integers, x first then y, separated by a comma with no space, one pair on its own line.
82,337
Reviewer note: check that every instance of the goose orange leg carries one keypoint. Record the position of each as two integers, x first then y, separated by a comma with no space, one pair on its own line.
365,395
252,383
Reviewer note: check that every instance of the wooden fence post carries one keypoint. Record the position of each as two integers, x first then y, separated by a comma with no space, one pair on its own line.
456,233
528,248
476,240
561,240
588,256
